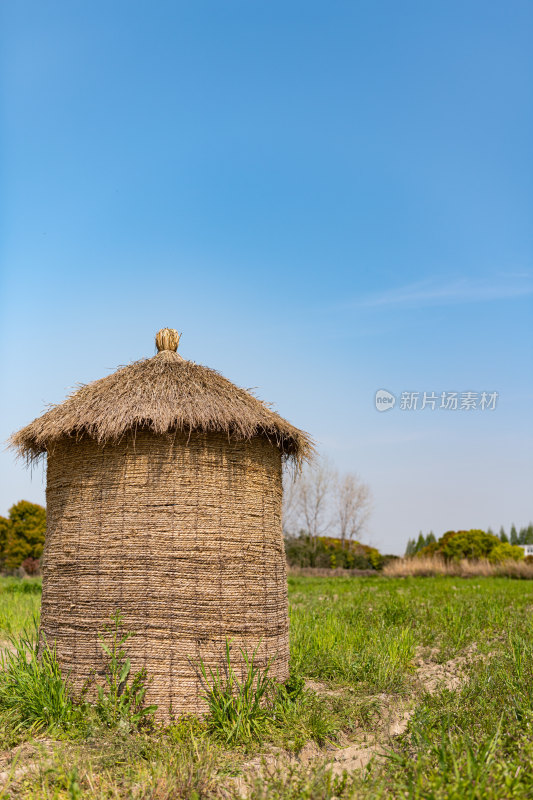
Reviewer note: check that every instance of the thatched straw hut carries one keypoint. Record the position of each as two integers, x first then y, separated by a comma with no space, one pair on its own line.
164,501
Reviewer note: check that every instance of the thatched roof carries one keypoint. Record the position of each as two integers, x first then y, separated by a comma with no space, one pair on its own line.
164,393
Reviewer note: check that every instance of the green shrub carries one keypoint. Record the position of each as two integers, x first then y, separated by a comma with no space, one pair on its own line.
330,553
505,552
473,544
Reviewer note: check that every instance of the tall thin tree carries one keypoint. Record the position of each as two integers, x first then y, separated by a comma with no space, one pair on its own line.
352,505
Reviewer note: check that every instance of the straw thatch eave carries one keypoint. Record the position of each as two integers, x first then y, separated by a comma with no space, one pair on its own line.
164,393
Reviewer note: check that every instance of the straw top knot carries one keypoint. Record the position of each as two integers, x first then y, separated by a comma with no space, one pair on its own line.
167,339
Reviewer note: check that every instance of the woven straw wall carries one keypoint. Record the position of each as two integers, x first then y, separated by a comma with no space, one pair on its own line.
184,537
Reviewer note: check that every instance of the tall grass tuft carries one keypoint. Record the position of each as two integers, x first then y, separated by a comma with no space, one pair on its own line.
33,694
239,710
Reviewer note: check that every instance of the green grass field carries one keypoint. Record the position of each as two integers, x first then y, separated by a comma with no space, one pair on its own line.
415,688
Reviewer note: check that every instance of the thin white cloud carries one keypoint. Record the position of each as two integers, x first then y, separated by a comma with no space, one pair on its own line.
426,293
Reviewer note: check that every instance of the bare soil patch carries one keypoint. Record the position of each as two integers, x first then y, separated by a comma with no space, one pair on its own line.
394,714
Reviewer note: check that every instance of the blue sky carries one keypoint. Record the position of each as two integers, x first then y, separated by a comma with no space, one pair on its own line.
325,198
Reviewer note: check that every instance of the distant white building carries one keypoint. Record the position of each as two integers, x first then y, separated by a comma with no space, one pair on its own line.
528,549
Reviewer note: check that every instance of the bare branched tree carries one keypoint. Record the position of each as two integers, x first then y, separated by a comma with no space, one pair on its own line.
290,511
352,506
307,500
318,501
315,486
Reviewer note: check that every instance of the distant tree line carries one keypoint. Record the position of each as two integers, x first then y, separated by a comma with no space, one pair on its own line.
472,544
415,545
515,537
22,537
522,536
